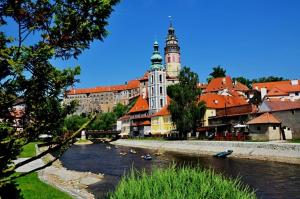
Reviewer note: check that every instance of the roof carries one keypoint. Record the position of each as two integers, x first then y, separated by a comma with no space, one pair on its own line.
282,105
285,85
277,92
132,84
221,83
266,118
216,101
141,105
202,86
145,77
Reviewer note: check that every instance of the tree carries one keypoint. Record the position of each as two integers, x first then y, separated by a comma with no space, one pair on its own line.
185,108
244,81
268,79
62,30
217,72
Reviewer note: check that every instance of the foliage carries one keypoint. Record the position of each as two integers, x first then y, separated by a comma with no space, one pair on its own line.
244,81
180,183
74,122
268,79
217,72
185,108
104,121
33,188
45,30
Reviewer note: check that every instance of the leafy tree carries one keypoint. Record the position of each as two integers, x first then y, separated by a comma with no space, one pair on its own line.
268,79
185,108
217,72
74,122
62,29
243,80
120,110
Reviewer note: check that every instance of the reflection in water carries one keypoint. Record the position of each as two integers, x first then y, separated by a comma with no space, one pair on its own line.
269,179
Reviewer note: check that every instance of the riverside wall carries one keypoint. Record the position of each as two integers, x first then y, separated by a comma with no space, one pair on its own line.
271,151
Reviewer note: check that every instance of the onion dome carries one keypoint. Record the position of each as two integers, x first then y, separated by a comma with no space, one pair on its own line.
156,58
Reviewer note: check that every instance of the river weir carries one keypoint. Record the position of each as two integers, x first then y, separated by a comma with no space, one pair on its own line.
269,179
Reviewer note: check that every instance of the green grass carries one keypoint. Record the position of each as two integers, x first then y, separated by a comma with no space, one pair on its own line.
180,183
295,140
32,188
28,150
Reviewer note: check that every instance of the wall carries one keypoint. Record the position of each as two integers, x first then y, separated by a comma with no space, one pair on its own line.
161,125
208,113
291,119
266,132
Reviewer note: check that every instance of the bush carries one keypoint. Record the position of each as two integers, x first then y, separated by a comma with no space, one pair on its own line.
180,183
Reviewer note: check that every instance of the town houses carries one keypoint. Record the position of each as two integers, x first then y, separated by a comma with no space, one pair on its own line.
267,111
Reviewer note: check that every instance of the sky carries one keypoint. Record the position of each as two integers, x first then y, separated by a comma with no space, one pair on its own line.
250,38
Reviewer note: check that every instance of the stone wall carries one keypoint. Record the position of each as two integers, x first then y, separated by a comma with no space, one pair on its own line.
291,119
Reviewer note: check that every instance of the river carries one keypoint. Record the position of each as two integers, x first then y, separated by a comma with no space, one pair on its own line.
271,180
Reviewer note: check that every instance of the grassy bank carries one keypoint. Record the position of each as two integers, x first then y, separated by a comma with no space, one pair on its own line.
28,150
180,183
32,188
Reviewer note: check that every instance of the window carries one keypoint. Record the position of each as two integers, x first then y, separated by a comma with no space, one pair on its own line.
169,59
160,78
274,127
293,112
152,91
152,78
288,129
161,102
161,90
258,128
297,94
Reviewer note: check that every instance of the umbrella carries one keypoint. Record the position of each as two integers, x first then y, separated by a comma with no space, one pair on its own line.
239,126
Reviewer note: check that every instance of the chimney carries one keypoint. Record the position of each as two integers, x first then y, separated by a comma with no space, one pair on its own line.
294,82
263,92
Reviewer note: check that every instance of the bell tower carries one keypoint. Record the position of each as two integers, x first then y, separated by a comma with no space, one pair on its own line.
172,54
157,89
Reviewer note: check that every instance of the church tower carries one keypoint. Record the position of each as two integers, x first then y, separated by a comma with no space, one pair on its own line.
172,55
157,90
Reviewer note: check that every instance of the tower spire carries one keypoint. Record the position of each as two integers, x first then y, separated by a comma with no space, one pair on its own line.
170,19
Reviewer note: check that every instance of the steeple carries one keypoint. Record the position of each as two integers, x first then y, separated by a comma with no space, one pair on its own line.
172,53
156,58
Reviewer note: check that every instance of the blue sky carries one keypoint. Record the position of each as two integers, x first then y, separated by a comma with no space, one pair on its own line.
250,38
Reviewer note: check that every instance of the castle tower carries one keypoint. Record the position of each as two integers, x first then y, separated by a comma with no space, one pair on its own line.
172,54
157,91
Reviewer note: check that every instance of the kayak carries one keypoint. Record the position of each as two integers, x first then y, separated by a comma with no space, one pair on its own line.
223,154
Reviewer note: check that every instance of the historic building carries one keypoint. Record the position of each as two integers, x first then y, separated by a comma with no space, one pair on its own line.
157,85
172,56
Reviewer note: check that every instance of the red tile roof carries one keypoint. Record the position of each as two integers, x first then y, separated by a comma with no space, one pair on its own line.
266,118
145,77
141,105
221,83
282,105
286,85
277,92
132,84
216,101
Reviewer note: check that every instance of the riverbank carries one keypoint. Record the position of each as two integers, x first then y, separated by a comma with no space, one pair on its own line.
270,151
72,182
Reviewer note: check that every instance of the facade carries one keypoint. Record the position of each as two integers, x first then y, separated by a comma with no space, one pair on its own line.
103,99
288,112
265,127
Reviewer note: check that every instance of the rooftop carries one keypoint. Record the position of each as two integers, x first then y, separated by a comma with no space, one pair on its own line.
266,118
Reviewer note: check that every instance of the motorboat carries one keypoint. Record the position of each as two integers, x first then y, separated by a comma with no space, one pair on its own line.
147,157
223,154
123,153
132,151
108,147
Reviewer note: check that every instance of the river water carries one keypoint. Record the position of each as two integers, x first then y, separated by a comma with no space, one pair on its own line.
269,179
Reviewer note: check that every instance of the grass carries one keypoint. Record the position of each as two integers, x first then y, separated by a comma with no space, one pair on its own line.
28,150
33,188
295,140
180,183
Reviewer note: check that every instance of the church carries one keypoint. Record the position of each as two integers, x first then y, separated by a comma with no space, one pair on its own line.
149,115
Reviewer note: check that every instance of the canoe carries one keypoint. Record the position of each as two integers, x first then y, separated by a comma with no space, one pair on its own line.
223,154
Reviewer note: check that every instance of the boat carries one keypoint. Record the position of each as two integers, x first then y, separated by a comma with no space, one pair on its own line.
132,151
223,154
108,147
123,153
147,157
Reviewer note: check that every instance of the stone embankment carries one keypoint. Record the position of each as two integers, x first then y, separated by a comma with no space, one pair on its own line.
73,182
271,151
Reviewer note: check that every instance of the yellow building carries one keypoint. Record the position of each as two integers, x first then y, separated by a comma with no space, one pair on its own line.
161,123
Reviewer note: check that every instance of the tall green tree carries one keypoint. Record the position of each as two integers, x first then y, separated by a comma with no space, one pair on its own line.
46,30
244,81
217,72
185,108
